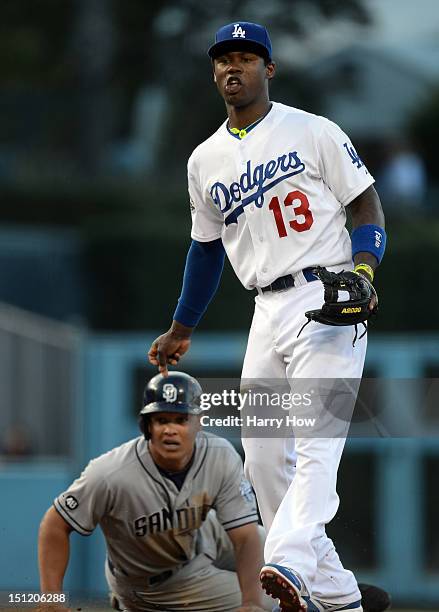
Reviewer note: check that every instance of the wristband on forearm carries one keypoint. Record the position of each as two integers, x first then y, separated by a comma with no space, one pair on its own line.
369,239
363,267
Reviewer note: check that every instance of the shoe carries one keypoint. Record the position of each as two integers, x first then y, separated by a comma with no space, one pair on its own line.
373,598
286,585
316,605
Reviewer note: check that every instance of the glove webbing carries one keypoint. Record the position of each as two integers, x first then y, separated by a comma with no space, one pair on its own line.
355,326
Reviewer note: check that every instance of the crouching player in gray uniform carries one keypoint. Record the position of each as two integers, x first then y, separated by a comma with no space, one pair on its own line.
177,514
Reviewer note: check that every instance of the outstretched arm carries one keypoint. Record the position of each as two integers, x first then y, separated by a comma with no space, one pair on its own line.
53,550
204,266
249,561
53,554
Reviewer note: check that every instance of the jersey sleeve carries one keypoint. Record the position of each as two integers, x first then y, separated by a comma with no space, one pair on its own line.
341,167
85,501
235,504
207,220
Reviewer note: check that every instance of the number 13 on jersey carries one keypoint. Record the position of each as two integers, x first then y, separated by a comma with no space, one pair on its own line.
302,209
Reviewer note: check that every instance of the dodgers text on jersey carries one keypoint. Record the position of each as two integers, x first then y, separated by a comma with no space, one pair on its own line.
255,181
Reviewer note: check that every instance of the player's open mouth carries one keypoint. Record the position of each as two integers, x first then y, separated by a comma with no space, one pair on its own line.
233,84
170,443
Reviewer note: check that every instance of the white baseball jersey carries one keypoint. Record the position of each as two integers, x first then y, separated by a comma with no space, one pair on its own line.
277,197
149,525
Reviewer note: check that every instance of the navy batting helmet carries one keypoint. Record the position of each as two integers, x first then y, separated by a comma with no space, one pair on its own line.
177,392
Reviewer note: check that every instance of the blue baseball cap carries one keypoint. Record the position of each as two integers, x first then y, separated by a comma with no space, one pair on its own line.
241,35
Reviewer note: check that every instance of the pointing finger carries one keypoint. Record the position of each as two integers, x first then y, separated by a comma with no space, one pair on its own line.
163,368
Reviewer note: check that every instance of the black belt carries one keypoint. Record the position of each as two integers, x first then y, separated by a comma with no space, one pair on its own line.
159,578
287,281
150,580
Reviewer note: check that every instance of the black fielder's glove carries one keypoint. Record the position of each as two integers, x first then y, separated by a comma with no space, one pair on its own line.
351,308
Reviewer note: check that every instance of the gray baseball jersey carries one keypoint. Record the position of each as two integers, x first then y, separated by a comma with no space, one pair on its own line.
149,525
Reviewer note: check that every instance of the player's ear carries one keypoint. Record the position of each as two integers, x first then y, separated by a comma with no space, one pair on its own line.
270,70
214,77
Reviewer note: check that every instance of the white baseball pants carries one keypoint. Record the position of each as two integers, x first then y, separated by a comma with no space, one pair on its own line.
295,477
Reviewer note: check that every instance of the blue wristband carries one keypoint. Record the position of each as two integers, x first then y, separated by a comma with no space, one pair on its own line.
369,238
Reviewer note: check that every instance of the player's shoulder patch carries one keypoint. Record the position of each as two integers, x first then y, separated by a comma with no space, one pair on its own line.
71,502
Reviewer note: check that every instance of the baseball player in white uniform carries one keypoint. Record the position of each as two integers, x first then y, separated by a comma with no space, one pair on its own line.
271,189
178,516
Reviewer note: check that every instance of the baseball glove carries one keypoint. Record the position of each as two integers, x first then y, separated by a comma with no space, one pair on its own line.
351,311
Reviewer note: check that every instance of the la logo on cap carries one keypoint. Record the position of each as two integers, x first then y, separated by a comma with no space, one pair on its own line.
238,32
